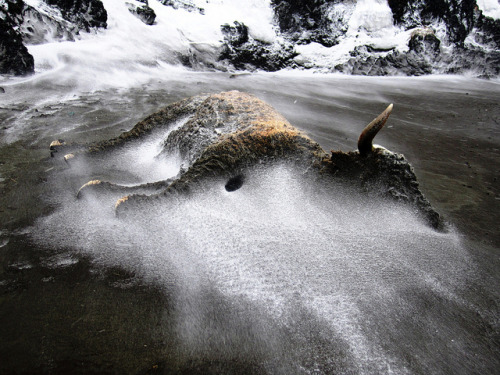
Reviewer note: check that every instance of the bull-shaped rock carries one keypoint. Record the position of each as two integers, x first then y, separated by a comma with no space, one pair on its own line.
225,135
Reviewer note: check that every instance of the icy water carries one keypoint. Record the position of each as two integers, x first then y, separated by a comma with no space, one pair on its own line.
278,277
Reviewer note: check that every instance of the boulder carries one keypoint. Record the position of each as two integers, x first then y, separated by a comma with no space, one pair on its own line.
310,21
14,56
423,41
183,4
39,28
457,15
144,13
85,14
245,53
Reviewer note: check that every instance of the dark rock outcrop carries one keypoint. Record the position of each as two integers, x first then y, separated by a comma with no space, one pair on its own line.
464,22
144,13
243,52
14,56
21,23
12,9
423,41
310,21
424,50
489,31
458,15
85,14
39,28
326,22
472,42
394,63
469,40
183,4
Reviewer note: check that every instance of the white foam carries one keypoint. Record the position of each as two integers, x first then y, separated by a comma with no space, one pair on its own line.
370,23
145,161
490,8
276,243
130,52
372,17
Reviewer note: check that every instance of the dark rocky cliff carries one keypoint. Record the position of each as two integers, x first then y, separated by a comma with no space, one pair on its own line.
83,13
443,36
14,56
21,23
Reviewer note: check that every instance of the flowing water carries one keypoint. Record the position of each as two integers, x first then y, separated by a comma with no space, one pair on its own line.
280,276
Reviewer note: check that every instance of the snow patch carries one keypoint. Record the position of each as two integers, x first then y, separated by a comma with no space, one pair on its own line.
490,8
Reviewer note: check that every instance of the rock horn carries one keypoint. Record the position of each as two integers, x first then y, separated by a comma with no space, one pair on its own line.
365,141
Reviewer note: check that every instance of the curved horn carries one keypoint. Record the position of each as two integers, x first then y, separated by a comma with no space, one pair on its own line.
365,141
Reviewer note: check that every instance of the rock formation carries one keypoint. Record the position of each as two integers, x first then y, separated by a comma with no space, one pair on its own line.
14,56
243,52
421,37
144,13
22,24
86,14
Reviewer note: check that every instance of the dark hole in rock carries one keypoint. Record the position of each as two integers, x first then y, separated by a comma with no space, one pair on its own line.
235,183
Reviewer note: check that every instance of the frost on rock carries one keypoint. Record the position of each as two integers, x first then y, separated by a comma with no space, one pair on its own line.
244,52
86,14
144,13
363,37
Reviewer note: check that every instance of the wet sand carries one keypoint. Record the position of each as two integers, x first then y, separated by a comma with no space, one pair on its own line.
61,313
